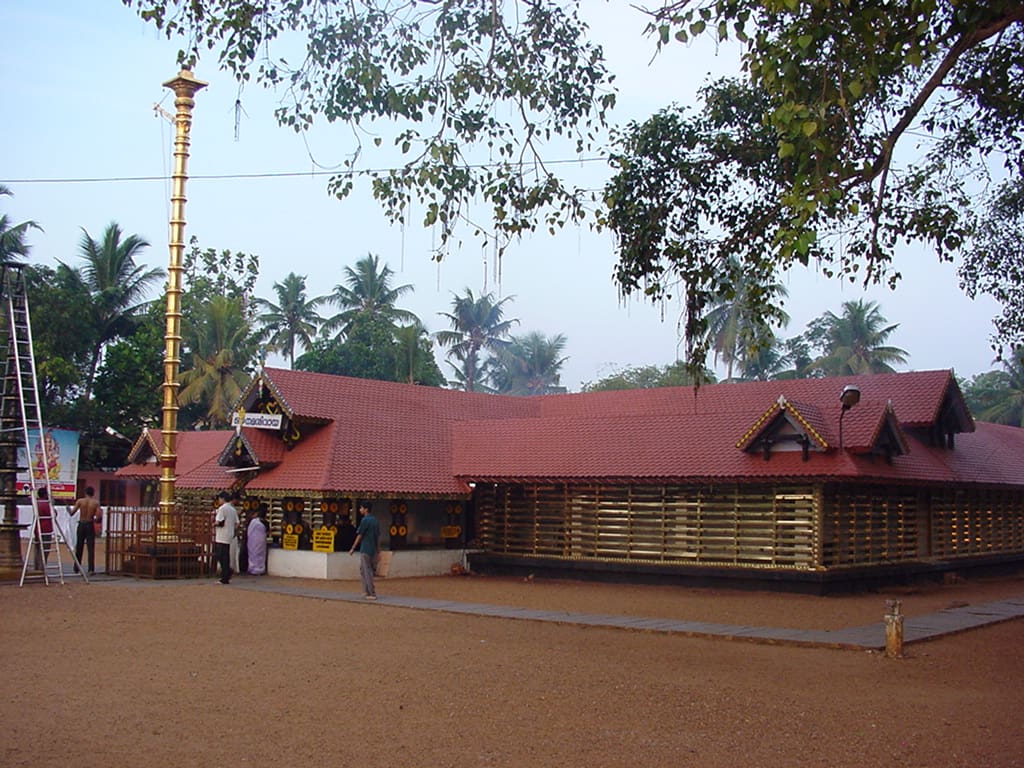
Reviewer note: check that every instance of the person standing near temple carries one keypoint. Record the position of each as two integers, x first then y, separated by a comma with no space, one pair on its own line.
89,513
256,542
225,522
367,542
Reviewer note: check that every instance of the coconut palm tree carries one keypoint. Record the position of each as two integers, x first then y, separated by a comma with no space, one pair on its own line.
115,288
220,345
12,236
367,290
854,342
293,319
736,330
477,325
529,365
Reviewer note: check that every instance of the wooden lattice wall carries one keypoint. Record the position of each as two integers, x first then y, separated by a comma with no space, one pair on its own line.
757,526
754,526
977,522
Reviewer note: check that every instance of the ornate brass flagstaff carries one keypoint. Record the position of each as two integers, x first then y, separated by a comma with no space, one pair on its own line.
185,87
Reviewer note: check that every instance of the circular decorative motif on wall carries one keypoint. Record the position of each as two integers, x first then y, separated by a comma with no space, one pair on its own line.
393,530
403,508
289,528
402,530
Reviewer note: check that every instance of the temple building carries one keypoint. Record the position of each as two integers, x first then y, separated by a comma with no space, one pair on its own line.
812,483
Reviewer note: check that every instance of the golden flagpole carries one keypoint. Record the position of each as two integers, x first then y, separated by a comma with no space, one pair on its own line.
185,86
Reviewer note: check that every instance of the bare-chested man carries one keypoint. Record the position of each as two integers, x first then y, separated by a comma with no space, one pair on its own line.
89,511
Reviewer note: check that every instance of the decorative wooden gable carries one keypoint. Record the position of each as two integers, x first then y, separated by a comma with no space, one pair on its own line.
786,426
146,449
873,429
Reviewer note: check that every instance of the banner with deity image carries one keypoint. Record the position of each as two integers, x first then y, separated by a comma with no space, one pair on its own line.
54,454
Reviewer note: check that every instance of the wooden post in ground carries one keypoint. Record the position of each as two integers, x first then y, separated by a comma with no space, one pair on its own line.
893,629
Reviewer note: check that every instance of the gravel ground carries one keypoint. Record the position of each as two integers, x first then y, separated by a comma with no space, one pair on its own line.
165,674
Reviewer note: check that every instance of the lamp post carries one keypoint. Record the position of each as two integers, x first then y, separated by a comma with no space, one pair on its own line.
185,86
849,397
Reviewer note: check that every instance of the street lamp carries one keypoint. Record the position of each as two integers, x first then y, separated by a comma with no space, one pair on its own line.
849,397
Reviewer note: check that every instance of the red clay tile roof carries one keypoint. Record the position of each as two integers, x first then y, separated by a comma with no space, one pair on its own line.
196,466
681,434
382,438
363,437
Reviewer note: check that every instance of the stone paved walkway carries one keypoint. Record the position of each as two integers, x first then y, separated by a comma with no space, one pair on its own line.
868,637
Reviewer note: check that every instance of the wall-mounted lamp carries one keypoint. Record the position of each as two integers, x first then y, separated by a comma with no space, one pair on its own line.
114,433
849,397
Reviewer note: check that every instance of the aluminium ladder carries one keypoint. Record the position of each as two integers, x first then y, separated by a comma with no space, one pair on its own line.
20,412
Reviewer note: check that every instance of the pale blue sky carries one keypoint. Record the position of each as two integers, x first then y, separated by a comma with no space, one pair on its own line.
80,79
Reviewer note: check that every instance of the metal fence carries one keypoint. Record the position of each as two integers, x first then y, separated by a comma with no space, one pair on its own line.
178,548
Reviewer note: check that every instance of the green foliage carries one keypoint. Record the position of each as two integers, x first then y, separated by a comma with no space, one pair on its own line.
853,342
649,377
414,357
366,352
293,320
736,327
998,396
221,347
478,326
209,273
129,384
694,203
868,125
367,290
446,79
529,365
114,290
995,264
14,244
62,340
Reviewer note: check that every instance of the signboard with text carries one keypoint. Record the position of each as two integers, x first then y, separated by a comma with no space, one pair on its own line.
257,420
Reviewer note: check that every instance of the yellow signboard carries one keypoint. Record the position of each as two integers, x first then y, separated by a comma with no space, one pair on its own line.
323,540
290,541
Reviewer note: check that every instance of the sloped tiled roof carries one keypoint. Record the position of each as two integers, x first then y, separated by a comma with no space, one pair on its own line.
380,437
363,437
196,465
682,434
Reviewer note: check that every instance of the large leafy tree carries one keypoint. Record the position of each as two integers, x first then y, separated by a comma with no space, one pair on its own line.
478,325
14,244
414,356
62,342
854,342
368,290
293,319
367,351
883,122
995,265
856,128
530,365
431,78
114,289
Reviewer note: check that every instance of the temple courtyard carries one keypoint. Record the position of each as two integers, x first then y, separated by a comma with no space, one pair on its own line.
277,672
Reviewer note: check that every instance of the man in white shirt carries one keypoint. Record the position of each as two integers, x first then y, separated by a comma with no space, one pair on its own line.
225,523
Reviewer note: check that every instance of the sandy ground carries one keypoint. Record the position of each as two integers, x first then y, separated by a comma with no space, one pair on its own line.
189,673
